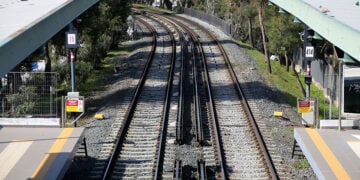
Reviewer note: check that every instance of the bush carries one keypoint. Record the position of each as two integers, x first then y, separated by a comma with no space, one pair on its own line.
82,72
23,102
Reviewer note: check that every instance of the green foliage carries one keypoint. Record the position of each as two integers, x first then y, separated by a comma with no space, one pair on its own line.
301,164
201,6
82,71
101,28
282,33
23,102
286,82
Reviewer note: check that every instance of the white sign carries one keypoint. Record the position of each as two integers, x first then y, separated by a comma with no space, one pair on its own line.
309,51
73,94
71,39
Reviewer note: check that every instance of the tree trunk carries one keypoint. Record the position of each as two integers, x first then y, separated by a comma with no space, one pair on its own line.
335,57
47,69
286,62
168,4
251,33
298,79
47,58
259,8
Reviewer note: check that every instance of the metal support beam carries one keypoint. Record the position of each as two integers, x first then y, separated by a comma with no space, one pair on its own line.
16,48
339,34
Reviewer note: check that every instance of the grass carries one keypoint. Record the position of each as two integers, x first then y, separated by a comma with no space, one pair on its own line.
301,164
287,84
97,80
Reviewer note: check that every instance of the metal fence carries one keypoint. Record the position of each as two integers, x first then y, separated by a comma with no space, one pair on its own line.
213,20
28,94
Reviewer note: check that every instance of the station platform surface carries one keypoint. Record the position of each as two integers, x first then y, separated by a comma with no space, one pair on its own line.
37,153
332,154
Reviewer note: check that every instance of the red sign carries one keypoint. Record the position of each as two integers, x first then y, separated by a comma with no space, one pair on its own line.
72,102
304,103
304,106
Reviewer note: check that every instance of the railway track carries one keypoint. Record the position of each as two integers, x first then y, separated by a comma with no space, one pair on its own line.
251,158
139,146
189,117
137,138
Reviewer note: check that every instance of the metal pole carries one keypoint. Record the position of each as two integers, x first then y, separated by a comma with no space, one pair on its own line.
317,122
72,59
308,72
330,105
308,63
72,64
340,93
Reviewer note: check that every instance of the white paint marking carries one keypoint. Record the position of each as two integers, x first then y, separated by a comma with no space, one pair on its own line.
11,155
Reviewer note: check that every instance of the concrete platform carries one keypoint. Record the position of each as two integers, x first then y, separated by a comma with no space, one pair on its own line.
331,154
39,122
37,153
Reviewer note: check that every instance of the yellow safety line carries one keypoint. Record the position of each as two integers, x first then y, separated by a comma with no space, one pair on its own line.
327,154
50,157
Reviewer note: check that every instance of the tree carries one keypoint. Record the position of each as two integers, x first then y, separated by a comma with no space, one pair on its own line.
259,7
22,102
283,35
249,12
284,38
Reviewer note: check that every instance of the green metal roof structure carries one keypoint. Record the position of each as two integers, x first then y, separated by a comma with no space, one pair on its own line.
27,24
336,21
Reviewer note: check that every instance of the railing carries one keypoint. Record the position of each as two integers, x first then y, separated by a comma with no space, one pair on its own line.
28,94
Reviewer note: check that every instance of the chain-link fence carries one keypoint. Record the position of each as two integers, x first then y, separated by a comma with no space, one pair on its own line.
28,94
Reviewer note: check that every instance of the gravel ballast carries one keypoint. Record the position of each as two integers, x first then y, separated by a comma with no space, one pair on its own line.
263,98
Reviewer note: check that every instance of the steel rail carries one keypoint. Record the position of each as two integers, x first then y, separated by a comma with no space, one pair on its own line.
179,134
213,114
198,125
201,170
199,128
246,106
131,109
161,149
179,121
219,147
177,170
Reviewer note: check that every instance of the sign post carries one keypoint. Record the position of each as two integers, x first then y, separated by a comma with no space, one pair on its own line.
72,44
304,106
309,54
307,108
309,51
74,104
